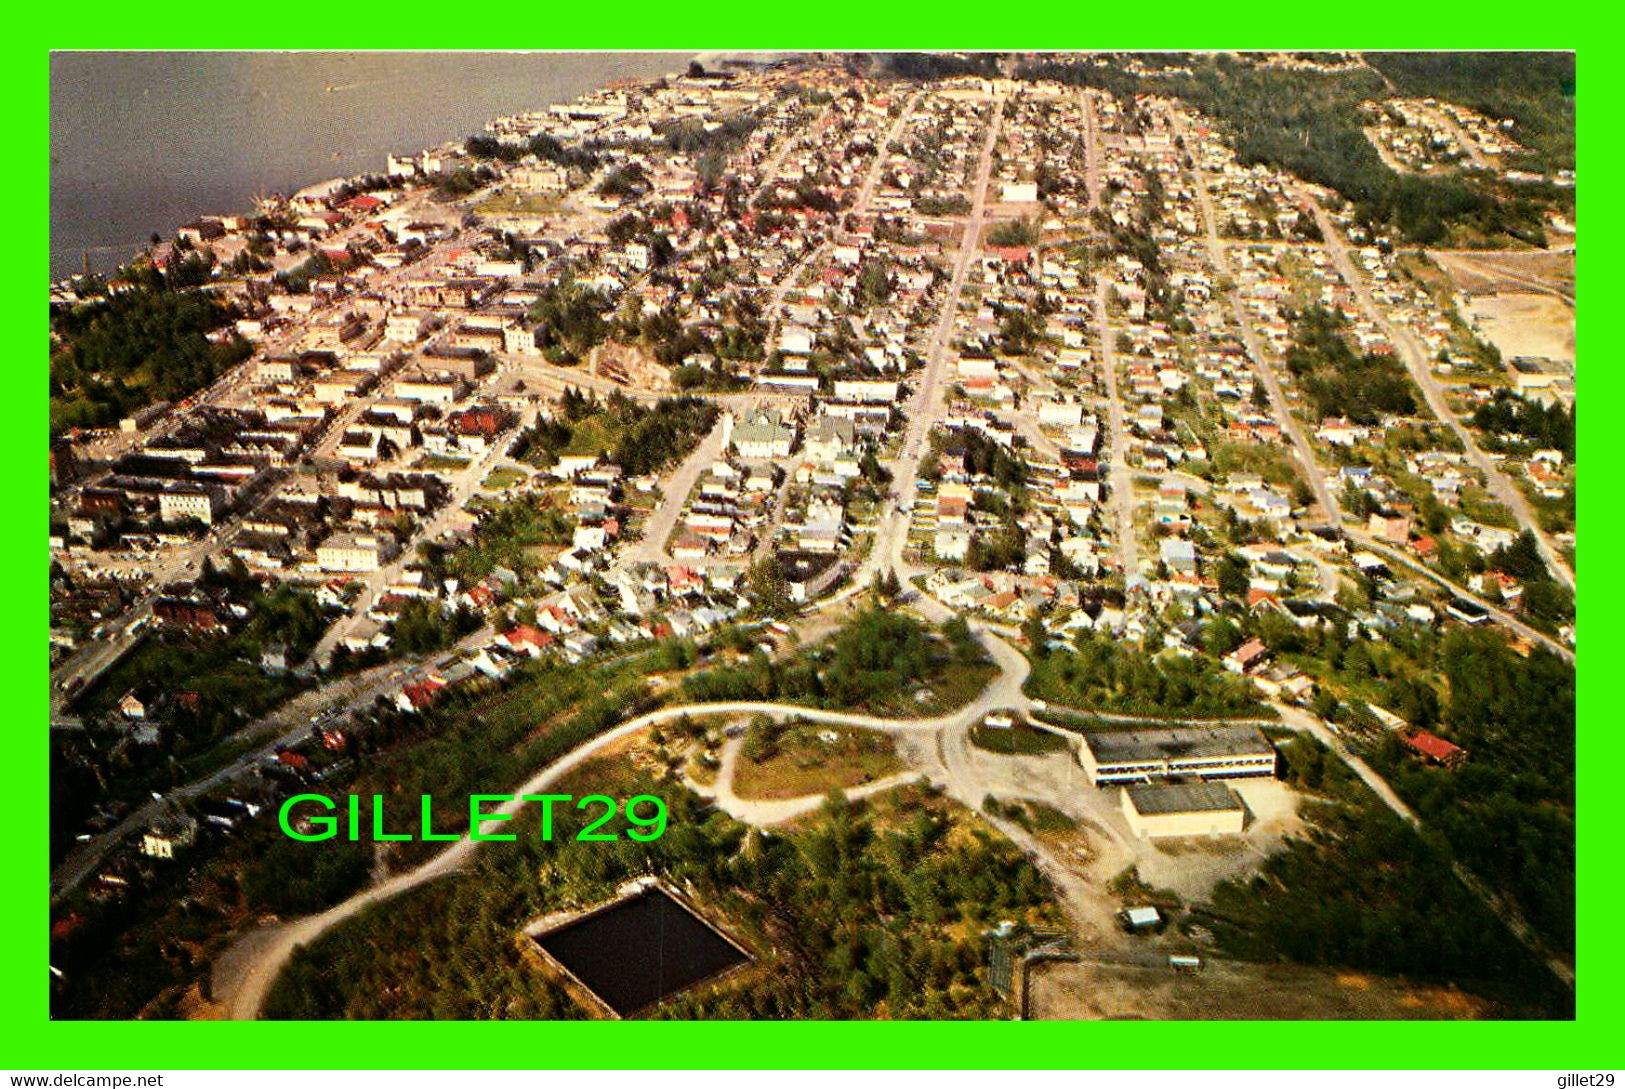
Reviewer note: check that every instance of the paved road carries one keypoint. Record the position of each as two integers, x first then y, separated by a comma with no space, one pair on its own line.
1255,352
1328,577
866,191
1474,153
1306,453
291,720
373,584
950,730
1091,149
1122,480
674,493
290,723
89,662
263,953
924,407
775,159
772,313
1416,362
1365,540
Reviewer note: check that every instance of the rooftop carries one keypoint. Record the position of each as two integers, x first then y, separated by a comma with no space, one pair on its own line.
1116,747
1183,798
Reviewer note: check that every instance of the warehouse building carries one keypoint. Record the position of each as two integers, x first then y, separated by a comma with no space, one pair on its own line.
1183,809
1145,756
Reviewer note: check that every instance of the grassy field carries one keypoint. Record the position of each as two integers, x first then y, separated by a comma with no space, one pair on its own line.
1477,505
947,689
1016,740
699,766
518,204
503,477
797,761
594,435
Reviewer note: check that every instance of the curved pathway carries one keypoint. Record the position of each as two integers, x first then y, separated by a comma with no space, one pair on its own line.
945,757
271,953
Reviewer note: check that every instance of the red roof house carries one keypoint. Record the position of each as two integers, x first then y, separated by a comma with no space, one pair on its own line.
1435,748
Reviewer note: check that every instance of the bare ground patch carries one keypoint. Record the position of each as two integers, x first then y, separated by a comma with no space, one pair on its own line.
1147,989
1508,270
1524,323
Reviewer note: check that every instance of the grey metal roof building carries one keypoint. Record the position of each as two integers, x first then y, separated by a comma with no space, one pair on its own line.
1163,798
1183,809
1144,756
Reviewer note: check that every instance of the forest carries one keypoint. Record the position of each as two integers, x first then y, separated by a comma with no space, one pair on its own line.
1308,124
570,320
152,945
1106,674
931,66
1545,427
1534,89
1338,381
224,689
1364,890
541,145
1508,814
1545,602
982,456
133,348
504,537
639,438
876,657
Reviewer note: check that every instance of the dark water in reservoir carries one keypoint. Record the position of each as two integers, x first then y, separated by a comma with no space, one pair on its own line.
640,951
144,142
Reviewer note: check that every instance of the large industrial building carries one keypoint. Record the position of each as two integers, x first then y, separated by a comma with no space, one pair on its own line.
1146,756
1183,809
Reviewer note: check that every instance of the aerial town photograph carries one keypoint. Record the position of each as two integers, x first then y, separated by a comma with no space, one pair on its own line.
781,536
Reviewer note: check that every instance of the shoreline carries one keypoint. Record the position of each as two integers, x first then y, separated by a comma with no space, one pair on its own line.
91,204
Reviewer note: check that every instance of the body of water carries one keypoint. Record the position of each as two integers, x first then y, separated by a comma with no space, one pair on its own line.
145,142
641,950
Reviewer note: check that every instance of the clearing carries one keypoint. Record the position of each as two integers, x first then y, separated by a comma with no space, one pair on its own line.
1145,988
1524,323
518,204
799,759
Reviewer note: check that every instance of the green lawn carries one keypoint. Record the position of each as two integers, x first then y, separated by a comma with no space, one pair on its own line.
1016,740
503,477
518,204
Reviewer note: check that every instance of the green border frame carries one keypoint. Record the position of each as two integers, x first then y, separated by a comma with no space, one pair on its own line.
34,1041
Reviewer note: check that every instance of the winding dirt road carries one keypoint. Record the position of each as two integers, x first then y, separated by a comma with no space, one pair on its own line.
267,951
